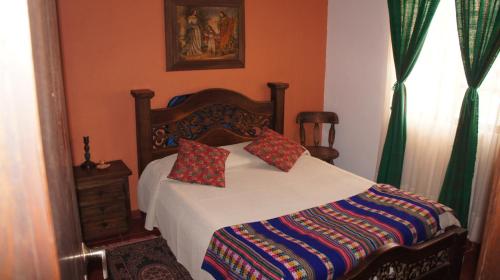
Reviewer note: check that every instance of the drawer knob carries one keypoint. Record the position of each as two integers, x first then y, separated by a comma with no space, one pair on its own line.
104,225
101,193
102,208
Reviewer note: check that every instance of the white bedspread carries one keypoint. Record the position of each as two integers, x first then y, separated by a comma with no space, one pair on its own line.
188,214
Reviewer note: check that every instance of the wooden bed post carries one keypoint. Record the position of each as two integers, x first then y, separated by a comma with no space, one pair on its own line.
143,126
278,99
457,251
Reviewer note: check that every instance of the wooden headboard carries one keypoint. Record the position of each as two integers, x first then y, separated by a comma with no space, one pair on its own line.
215,117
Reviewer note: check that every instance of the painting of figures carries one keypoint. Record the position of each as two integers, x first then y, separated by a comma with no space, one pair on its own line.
202,36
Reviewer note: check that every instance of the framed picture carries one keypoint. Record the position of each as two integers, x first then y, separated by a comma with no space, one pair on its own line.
205,34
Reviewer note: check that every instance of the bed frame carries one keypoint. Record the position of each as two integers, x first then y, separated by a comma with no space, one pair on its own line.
216,117
223,117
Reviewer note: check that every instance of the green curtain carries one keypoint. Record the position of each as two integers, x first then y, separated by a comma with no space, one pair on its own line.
409,20
478,24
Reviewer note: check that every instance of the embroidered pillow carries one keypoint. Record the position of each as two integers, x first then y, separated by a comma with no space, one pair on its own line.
199,163
276,150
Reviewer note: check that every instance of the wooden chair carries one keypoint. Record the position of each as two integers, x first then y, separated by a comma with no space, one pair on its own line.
327,154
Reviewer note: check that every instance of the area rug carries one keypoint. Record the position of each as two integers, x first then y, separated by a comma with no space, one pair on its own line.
144,260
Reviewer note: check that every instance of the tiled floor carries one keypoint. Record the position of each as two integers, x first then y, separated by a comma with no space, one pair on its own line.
137,231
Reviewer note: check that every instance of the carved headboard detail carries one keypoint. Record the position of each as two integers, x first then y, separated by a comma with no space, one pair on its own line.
214,116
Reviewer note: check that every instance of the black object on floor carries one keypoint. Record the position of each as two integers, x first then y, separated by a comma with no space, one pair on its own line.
145,260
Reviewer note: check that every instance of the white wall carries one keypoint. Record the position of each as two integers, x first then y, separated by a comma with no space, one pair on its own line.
355,86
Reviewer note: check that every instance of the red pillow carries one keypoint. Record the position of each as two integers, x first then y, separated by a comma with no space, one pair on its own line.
199,163
276,149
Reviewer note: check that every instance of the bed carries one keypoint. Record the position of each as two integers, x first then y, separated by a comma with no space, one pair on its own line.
188,214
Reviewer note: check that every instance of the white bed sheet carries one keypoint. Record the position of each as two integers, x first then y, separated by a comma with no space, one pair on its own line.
188,214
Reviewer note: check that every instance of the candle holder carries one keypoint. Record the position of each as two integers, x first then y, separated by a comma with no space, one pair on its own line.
87,164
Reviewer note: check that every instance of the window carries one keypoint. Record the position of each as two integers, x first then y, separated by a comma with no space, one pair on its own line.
436,88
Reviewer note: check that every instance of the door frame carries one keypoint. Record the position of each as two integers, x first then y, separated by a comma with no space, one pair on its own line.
40,234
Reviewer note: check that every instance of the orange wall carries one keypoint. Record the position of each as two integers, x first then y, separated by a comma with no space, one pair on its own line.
110,47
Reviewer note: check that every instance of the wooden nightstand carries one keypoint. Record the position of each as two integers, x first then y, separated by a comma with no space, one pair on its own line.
103,200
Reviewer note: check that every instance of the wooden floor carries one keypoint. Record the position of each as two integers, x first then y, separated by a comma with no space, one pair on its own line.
137,231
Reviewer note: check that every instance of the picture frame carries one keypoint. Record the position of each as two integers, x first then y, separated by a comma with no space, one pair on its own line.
204,34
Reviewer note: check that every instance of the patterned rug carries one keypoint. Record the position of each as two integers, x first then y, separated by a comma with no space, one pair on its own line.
145,260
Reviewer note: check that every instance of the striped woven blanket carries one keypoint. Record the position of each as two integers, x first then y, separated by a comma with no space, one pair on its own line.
324,242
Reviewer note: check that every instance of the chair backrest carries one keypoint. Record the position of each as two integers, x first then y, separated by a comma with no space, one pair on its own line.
317,118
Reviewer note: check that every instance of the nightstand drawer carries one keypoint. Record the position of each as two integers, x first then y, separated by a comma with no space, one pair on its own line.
103,211
107,227
110,192
103,200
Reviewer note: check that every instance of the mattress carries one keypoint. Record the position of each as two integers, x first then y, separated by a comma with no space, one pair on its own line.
187,215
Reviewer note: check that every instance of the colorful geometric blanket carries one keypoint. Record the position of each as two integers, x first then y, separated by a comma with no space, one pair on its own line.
324,242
